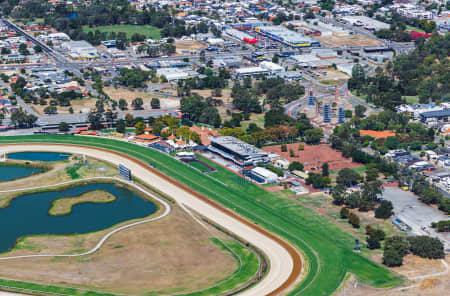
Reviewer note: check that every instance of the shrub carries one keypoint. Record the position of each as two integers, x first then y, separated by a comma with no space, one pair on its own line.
344,213
301,147
283,148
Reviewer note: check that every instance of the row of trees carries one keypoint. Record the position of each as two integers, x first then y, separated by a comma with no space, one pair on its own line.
396,247
430,196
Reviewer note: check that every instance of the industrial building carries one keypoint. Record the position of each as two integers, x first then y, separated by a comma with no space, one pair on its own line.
286,36
366,22
80,50
241,36
237,151
250,71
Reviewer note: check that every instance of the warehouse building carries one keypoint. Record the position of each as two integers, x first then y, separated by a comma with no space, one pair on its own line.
80,50
237,151
241,36
286,36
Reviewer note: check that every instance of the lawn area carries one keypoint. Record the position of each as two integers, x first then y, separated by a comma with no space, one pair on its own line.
411,28
147,30
328,250
359,170
254,118
411,99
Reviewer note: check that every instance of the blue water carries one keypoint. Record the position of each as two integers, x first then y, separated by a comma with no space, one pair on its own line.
39,156
8,173
28,214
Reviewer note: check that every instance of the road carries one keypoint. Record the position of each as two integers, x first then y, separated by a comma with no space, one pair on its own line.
284,260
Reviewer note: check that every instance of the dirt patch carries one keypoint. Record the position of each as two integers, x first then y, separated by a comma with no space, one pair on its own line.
63,206
188,46
129,96
78,106
313,156
171,254
349,40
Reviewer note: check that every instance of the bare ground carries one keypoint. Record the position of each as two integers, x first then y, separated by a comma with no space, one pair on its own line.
413,266
129,96
167,256
349,40
79,105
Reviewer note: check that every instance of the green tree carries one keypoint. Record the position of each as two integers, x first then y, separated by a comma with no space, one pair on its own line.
392,258
137,104
360,110
295,166
347,177
155,103
63,127
385,210
121,126
313,135
338,193
426,247
123,105
344,213
325,169
373,243
139,128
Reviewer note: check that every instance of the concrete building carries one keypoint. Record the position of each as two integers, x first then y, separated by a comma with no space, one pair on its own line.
366,22
237,151
262,175
80,49
272,67
250,71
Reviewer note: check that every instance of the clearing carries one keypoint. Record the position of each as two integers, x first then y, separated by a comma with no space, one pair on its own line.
63,206
188,46
129,96
79,106
147,30
349,40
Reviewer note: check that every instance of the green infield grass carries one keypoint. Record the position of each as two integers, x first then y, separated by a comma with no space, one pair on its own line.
147,30
327,249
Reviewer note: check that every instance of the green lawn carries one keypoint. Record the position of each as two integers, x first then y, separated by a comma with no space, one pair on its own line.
411,99
411,28
147,30
327,249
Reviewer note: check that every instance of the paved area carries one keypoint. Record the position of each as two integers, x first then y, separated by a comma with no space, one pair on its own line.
278,253
417,215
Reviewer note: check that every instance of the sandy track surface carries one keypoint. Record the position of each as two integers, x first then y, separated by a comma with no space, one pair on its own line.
285,262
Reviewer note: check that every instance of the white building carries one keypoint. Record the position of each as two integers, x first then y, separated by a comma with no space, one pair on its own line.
272,67
265,174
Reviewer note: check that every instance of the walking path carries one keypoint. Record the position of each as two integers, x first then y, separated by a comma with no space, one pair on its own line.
166,212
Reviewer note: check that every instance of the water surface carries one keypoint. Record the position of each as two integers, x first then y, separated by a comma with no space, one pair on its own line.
12,172
28,214
39,156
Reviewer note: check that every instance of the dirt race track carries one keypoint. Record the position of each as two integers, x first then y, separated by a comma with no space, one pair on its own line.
285,262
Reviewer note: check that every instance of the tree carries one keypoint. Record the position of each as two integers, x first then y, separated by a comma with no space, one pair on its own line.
426,247
397,243
373,243
347,177
137,104
338,193
344,213
358,77
63,127
325,169
392,142
313,135
37,49
139,128
354,220
275,59
360,110
384,211
392,258
123,105
295,166
50,110
121,126
155,104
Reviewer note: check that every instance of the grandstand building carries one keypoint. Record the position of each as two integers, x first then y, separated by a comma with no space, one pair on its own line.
237,151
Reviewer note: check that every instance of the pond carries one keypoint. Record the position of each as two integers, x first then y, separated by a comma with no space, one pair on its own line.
39,156
28,214
12,172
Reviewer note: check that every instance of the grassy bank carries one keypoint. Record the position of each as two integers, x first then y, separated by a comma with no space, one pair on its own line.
63,206
328,250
